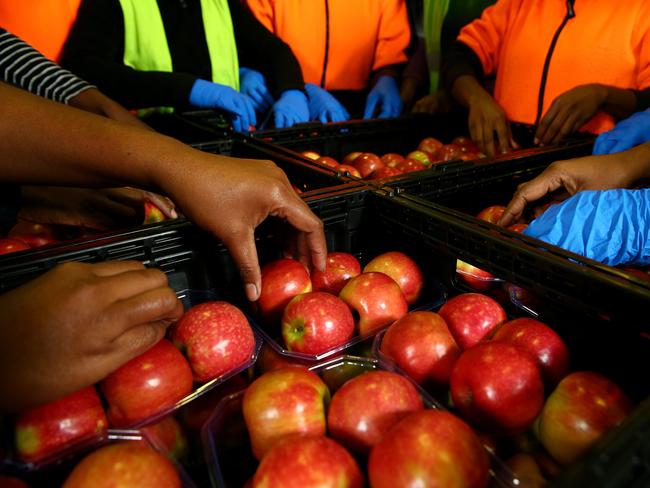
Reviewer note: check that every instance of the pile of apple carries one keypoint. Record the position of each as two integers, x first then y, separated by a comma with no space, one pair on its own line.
32,235
376,420
506,377
429,152
216,338
316,310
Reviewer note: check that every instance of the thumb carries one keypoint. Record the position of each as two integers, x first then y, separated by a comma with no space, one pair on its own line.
243,251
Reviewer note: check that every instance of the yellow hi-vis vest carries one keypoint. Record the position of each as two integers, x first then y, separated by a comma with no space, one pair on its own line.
146,47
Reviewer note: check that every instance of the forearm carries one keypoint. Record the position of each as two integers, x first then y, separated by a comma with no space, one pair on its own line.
466,90
635,162
619,102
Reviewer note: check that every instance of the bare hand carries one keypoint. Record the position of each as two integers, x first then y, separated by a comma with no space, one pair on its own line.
437,102
487,118
92,100
74,325
99,209
231,197
569,112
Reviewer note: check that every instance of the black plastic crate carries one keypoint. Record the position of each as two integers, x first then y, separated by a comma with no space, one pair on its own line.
179,127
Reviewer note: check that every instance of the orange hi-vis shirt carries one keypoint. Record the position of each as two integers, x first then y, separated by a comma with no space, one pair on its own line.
606,42
45,24
358,36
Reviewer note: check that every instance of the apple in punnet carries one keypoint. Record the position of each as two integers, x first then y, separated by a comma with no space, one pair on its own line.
349,169
366,163
429,448
7,246
11,482
583,407
449,152
420,343
410,165
168,436
350,157
392,159
284,402
471,317
526,470
476,278
384,172
282,280
148,384
316,322
367,406
542,343
376,298
517,227
329,162
124,464
466,144
269,360
403,270
339,268
430,145
308,461
491,214
311,155
216,337
152,214
421,156
498,387
33,234
46,429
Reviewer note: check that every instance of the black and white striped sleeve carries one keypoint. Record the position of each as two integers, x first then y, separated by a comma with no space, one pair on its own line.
23,66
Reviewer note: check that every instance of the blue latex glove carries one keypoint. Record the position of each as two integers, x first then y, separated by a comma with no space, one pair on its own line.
611,226
323,106
291,109
386,94
252,84
206,94
628,133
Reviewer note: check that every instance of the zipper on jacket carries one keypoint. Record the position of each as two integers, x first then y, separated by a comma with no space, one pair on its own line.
327,43
570,13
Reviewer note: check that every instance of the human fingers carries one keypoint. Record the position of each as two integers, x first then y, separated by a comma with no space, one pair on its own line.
129,283
111,268
241,244
529,192
371,105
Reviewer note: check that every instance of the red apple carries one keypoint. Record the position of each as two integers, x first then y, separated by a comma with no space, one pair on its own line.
366,163
474,277
429,448
339,268
392,159
542,342
430,145
376,298
45,430
7,245
491,214
269,360
471,317
384,172
306,461
350,169
449,152
147,385
526,470
420,343
582,408
410,165
517,227
284,402
469,156
316,322
329,162
349,158
168,436
282,280
124,464
34,234
498,387
217,338
152,214
311,155
421,156
367,406
466,144
403,270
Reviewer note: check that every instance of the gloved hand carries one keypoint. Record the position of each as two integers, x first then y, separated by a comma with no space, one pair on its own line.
206,94
291,109
386,94
628,133
610,226
323,106
253,85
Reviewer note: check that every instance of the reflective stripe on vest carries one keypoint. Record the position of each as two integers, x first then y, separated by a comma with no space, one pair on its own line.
146,47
